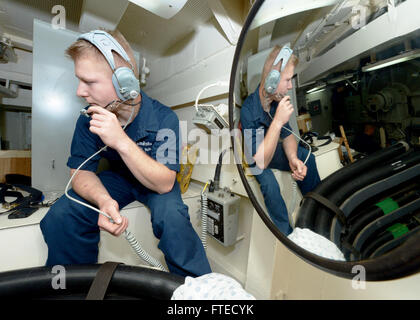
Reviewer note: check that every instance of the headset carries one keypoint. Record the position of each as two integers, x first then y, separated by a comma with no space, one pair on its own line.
273,78
125,82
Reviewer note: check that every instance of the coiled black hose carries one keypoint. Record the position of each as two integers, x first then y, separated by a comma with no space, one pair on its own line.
375,212
324,216
396,192
386,236
394,243
128,282
307,213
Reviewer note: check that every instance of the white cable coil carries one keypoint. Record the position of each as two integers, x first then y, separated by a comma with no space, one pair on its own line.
141,253
204,209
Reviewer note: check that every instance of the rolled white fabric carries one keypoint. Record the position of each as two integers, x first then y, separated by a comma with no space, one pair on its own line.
211,286
316,244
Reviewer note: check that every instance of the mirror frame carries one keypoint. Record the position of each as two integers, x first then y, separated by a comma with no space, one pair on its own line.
400,262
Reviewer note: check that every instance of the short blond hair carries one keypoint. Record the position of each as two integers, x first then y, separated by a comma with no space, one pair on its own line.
82,48
268,64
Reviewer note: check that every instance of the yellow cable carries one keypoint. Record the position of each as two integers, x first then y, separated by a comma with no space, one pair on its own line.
204,189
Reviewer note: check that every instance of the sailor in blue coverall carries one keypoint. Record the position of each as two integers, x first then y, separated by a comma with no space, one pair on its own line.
71,230
258,120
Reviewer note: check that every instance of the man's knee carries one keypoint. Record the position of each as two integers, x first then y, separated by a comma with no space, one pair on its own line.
66,215
168,210
268,182
54,219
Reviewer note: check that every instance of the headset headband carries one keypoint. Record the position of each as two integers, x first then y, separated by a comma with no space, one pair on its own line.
273,78
106,44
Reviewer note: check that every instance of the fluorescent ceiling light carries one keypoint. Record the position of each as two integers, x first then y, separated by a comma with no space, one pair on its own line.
163,8
340,78
317,88
406,56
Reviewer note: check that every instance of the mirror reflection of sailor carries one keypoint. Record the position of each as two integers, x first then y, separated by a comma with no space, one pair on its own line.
269,108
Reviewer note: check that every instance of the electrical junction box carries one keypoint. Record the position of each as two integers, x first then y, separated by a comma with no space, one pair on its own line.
209,119
223,216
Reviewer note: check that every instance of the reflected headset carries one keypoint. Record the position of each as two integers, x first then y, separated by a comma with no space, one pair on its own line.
273,78
125,82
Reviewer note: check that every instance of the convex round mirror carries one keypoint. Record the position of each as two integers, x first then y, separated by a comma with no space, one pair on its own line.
334,85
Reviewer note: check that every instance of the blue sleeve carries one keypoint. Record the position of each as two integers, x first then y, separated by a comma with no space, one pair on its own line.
166,148
284,133
84,145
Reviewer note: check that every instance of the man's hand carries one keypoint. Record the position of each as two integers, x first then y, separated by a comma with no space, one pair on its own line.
284,111
119,223
106,125
298,169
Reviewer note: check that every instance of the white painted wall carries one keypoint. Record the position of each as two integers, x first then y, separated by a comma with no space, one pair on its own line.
200,59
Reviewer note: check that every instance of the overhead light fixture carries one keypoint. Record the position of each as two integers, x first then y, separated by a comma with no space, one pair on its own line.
319,87
310,83
406,56
163,8
340,78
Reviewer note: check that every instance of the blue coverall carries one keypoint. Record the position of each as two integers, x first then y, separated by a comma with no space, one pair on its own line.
71,230
256,120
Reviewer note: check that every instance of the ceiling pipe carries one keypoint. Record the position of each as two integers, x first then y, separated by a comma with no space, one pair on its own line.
8,93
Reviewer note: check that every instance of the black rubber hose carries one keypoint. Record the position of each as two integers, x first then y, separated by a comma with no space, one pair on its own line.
129,282
381,239
324,216
307,212
376,212
376,243
394,244
370,204
218,169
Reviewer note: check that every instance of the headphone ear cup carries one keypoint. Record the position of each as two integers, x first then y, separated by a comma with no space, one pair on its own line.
272,81
125,83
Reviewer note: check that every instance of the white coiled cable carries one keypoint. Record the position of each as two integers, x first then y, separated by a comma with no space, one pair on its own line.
141,253
127,234
203,211
294,184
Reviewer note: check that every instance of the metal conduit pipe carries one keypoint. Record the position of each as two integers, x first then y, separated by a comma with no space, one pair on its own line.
8,92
